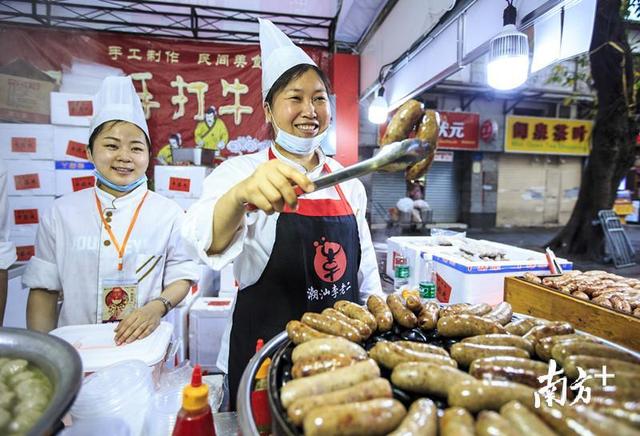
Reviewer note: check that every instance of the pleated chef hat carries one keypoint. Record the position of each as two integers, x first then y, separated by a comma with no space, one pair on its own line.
118,100
278,54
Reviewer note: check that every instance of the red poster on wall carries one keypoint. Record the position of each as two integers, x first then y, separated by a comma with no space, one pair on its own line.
177,81
458,130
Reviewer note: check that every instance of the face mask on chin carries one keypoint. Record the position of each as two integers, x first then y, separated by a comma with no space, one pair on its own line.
295,144
120,188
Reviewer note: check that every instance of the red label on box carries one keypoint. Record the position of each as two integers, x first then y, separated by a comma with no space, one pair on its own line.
80,183
219,303
23,145
27,181
25,252
77,149
179,184
80,108
443,292
26,216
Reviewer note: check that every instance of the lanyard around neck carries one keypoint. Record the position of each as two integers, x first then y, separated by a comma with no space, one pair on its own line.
114,240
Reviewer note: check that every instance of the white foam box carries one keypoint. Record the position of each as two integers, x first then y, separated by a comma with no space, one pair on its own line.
184,203
462,281
31,177
70,143
26,141
71,109
417,250
25,212
179,318
73,176
179,181
207,320
25,244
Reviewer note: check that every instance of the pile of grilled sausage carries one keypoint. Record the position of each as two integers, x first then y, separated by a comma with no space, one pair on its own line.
600,287
488,378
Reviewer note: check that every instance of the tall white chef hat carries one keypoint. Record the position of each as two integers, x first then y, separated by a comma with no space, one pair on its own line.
118,100
278,54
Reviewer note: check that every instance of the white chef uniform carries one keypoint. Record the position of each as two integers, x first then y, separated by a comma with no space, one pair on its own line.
72,255
252,244
7,248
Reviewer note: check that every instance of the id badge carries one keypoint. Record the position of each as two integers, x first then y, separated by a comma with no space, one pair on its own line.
118,298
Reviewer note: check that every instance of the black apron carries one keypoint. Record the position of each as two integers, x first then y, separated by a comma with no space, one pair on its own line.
314,263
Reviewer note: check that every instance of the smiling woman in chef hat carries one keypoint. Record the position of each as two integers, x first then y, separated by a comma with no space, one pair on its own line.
294,254
113,252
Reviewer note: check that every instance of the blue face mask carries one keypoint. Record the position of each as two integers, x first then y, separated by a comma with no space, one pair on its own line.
295,144
120,188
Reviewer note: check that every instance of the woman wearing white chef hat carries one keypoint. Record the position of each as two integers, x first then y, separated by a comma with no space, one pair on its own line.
294,254
113,252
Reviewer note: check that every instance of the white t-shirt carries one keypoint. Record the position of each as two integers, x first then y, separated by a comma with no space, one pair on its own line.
7,248
72,255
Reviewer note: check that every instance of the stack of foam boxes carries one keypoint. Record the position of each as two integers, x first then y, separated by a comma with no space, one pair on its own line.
183,184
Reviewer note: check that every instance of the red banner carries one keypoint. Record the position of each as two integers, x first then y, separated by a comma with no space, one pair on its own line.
177,79
458,130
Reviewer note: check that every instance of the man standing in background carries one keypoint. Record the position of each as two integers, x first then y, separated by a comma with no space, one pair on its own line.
7,248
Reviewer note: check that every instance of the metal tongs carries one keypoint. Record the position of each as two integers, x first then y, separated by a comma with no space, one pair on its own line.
393,157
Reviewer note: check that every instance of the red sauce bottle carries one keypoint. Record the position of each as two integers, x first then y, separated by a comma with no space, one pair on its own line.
195,417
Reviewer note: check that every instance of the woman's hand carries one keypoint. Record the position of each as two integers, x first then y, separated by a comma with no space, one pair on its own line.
140,323
271,186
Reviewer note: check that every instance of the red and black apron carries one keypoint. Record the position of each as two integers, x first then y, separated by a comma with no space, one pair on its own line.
314,263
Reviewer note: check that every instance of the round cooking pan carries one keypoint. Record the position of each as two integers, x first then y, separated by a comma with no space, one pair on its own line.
58,360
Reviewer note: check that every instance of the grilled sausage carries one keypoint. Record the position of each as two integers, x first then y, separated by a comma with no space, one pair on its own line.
456,421
552,329
623,379
492,424
299,332
628,416
363,329
428,130
522,326
331,325
602,424
502,313
572,363
373,417
328,381
427,378
319,364
389,355
413,303
323,346
423,348
454,309
524,421
619,393
464,352
480,309
467,325
381,313
504,340
402,122
401,314
367,390
561,351
421,420
523,376
492,395
540,368
544,345
355,311
428,316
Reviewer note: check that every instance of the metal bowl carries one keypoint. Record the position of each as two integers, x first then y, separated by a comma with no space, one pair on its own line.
59,361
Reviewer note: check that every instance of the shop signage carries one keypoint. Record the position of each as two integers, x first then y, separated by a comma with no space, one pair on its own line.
443,156
458,130
177,81
547,136
488,130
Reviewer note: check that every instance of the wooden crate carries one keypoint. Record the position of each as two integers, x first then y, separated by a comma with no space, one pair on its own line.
541,301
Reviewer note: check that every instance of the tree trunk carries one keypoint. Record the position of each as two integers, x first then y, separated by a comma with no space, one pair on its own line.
613,137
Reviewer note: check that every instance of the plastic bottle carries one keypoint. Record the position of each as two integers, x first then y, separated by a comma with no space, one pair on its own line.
401,274
195,417
259,396
426,285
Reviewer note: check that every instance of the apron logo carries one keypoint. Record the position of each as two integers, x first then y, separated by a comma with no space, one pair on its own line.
330,262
